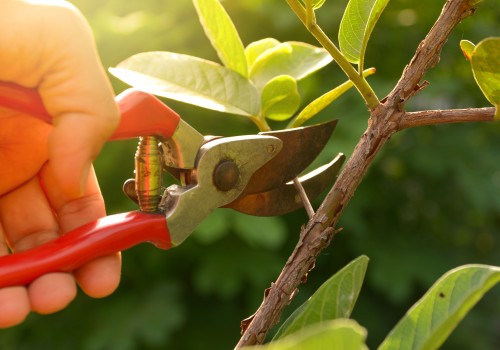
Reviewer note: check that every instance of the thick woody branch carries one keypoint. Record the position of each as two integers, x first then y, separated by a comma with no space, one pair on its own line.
385,120
411,119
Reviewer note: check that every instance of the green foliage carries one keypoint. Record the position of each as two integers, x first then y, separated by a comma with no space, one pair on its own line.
323,101
190,79
356,27
333,300
431,320
337,334
485,60
222,34
280,98
266,71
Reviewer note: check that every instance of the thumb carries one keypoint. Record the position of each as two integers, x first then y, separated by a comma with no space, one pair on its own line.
73,144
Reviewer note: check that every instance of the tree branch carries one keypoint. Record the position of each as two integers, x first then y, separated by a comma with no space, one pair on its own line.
384,121
411,119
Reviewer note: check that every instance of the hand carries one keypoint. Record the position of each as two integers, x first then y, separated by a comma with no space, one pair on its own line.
47,184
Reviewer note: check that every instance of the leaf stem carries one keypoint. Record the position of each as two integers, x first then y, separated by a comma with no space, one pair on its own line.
358,80
261,123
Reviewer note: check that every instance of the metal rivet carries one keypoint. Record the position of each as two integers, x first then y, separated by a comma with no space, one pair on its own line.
226,175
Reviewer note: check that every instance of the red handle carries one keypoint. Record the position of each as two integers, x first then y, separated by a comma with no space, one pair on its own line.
142,114
70,251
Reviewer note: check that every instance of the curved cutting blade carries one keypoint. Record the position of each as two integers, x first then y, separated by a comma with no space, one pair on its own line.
285,199
300,147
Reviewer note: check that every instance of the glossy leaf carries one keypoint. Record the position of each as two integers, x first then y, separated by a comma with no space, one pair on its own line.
337,334
356,27
290,58
280,98
485,62
467,47
334,299
257,48
222,34
323,101
431,320
190,79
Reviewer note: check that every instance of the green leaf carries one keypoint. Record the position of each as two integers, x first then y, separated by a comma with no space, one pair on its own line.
222,34
337,334
467,47
257,48
290,58
323,101
431,320
191,80
280,98
334,299
356,27
316,4
485,62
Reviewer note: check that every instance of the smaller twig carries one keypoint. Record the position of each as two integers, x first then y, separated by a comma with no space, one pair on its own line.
432,117
303,196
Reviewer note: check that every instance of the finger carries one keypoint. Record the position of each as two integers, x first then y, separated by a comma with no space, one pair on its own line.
14,301
28,221
101,276
14,306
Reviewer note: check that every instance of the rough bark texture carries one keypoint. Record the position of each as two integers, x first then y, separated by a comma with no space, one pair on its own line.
386,119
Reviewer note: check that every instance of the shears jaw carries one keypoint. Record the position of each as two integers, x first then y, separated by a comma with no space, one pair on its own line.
222,171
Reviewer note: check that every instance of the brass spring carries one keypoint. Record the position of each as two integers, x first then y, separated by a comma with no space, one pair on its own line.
148,174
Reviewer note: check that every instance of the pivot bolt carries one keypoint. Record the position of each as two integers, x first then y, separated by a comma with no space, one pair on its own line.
226,175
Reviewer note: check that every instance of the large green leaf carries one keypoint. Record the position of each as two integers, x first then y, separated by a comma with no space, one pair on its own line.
191,80
334,299
328,335
222,34
323,101
290,58
280,98
431,320
485,62
356,27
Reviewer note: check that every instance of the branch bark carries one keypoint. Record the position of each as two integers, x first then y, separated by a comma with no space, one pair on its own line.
386,119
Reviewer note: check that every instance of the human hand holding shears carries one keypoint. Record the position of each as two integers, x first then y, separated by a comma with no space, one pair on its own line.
248,174
50,47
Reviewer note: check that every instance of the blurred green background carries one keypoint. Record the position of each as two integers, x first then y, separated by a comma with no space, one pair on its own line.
430,202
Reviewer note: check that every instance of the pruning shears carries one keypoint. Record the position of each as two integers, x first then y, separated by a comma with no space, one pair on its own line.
251,174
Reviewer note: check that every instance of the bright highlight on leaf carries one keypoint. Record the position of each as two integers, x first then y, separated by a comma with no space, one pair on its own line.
337,334
190,79
222,34
280,98
431,320
316,4
356,27
334,299
485,62
295,59
257,48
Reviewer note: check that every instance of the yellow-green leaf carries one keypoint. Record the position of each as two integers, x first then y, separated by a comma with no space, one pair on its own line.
467,47
485,62
192,80
335,299
257,48
280,98
356,27
328,335
431,320
323,101
222,34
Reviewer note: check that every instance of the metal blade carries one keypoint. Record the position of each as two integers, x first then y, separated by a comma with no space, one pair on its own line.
300,147
285,199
